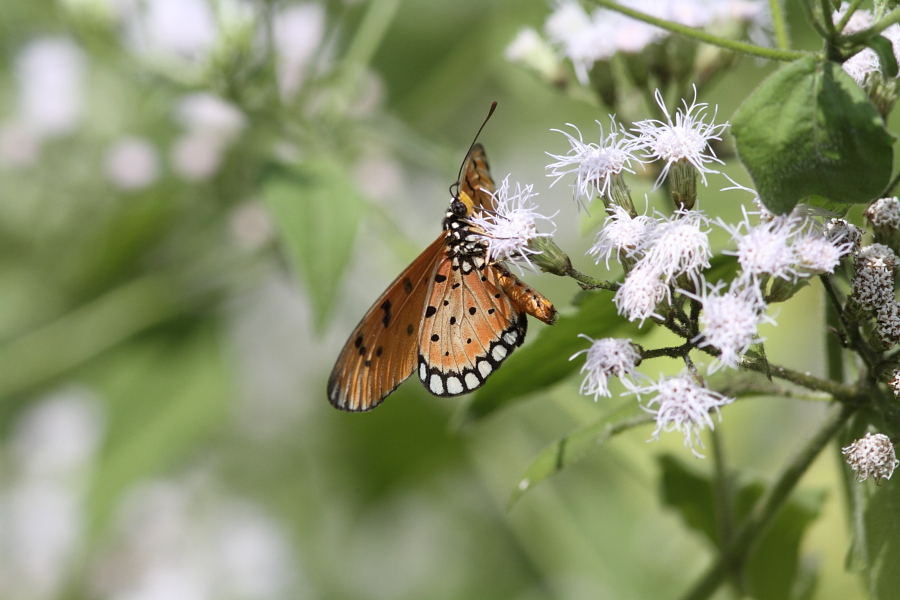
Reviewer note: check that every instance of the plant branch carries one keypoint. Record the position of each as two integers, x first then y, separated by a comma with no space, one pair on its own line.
768,506
702,36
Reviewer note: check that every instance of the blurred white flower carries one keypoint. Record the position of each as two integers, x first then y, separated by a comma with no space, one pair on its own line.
182,539
530,50
251,225
51,74
59,436
40,538
171,30
132,164
206,114
196,157
298,33
20,147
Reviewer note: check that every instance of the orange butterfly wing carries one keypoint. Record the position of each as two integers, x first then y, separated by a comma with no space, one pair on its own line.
476,181
382,351
450,313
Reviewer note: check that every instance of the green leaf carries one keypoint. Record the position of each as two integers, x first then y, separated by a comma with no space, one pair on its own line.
773,569
316,211
689,491
885,51
545,361
875,521
575,446
808,130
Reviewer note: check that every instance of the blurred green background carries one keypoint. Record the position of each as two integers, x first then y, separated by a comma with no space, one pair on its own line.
163,359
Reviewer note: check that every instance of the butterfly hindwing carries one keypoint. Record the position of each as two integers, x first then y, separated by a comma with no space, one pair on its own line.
382,351
470,327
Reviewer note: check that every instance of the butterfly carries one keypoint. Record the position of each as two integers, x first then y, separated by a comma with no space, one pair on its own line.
451,316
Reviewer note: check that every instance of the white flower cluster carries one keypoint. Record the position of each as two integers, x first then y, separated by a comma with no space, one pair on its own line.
788,247
683,139
665,248
873,456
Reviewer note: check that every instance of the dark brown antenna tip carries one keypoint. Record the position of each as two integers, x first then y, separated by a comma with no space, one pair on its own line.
472,145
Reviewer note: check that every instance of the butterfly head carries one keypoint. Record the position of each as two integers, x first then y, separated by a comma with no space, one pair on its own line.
462,206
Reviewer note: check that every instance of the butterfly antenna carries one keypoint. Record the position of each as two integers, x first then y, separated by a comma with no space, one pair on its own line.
472,145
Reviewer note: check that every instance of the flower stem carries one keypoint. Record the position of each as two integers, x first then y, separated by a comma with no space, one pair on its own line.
702,36
767,507
779,24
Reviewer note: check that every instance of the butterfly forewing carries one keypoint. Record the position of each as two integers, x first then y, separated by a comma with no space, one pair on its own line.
476,181
382,351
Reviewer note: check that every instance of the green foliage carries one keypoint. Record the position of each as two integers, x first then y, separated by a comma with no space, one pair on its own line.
774,569
316,210
577,445
809,130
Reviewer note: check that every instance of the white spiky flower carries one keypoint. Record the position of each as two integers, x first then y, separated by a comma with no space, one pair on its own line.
681,404
684,140
729,322
642,291
595,165
679,246
510,229
606,357
623,236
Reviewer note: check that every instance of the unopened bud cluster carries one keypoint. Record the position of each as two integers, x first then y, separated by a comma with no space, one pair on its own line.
872,456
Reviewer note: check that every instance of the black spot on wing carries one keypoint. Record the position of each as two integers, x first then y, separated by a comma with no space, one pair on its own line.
386,307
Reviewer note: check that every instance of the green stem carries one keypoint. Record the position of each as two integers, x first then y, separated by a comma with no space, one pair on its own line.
834,356
860,37
779,24
702,36
847,15
767,507
723,501
825,7
42,355
843,393
587,282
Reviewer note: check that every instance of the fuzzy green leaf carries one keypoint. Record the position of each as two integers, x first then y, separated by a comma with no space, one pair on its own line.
810,130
